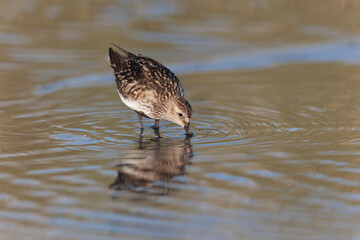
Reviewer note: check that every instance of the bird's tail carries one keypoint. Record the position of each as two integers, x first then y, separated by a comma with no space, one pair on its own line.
116,60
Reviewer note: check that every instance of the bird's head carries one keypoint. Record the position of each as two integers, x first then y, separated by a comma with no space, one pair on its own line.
180,112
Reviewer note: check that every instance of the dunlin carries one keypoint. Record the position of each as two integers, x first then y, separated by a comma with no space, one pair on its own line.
150,89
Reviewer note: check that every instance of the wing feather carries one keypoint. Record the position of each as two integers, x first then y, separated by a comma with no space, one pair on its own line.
144,72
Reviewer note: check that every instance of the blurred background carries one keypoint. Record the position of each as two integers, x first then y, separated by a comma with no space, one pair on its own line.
275,89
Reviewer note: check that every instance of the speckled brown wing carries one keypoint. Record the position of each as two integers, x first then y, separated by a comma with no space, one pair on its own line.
127,72
140,74
160,77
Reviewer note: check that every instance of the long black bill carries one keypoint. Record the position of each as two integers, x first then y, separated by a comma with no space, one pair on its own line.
188,130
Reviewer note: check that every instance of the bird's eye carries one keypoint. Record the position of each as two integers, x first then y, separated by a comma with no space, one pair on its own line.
180,114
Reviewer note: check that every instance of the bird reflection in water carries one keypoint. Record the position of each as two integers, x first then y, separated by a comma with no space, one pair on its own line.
154,167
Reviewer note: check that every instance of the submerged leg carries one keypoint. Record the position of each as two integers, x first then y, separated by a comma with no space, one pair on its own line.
140,121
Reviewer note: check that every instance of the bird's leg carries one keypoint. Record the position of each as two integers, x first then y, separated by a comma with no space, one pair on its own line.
141,133
156,124
156,128
141,123
157,132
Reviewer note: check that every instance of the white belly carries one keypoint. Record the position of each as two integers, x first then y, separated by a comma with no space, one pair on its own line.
140,106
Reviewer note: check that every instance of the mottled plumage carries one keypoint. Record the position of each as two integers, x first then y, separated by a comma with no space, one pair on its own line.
149,88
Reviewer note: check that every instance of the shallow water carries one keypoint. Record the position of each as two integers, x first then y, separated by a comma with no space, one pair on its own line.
275,90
